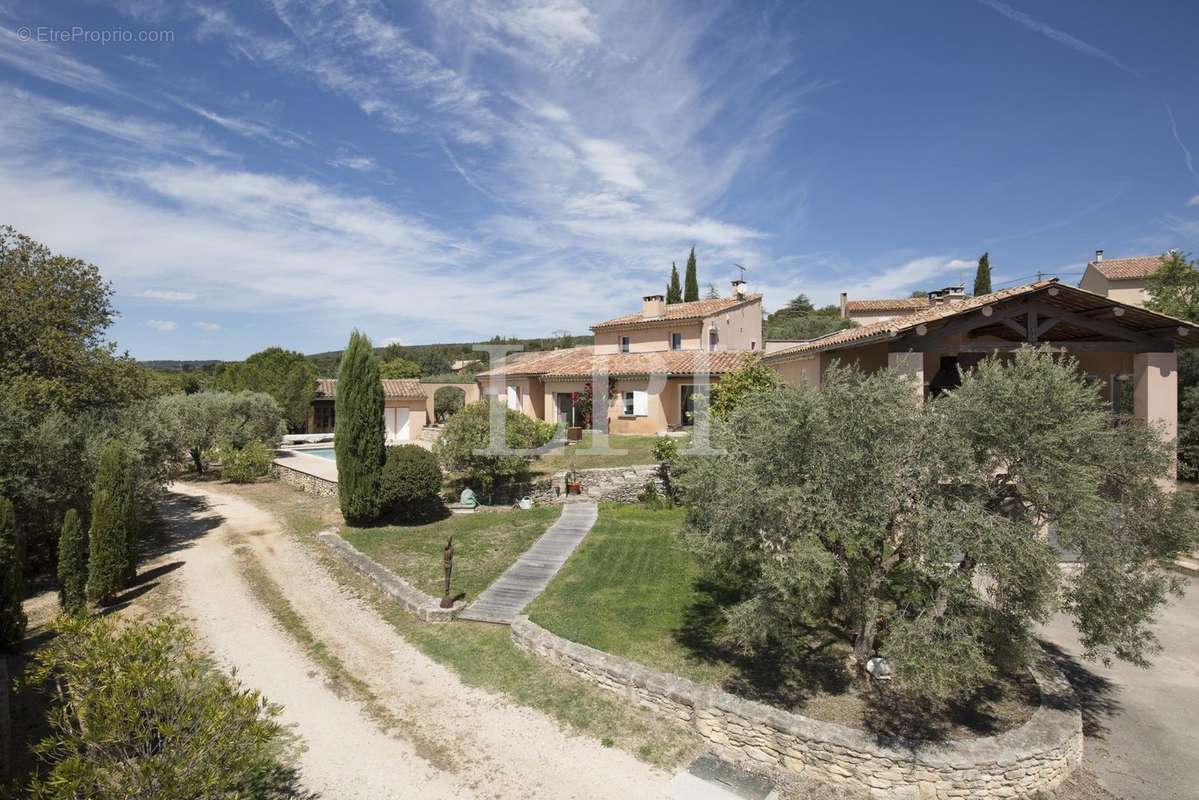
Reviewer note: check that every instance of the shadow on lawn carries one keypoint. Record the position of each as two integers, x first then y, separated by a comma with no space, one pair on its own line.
770,674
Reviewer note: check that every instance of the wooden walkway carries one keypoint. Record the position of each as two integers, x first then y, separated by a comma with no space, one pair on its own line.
523,581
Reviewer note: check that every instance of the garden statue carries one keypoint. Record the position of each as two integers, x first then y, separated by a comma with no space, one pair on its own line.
447,564
468,499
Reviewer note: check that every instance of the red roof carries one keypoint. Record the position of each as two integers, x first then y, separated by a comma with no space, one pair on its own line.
697,309
887,304
1126,269
581,362
396,388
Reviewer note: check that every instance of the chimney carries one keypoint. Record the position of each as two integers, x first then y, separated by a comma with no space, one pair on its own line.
1098,255
844,305
951,294
738,288
653,306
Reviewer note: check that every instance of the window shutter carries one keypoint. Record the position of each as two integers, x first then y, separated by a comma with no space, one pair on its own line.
512,401
640,404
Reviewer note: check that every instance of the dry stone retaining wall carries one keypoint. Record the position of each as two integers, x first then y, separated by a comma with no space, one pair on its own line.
421,605
1035,757
304,481
603,485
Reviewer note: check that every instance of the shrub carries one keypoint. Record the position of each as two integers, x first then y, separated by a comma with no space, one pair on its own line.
203,420
651,497
411,480
734,387
469,431
447,401
359,441
137,712
72,565
242,465
112,560
666,449
12,563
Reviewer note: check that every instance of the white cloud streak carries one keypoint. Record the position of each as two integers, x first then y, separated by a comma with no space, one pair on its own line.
168,295
1056,35
207,327
162,325
1187,158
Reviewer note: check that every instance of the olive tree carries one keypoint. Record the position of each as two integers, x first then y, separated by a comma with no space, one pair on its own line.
918,531
464,443
234,419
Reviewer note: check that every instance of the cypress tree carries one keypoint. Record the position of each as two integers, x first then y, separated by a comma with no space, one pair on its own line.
982,278
673,293
112,515
72,565
691,287
359,440
12,579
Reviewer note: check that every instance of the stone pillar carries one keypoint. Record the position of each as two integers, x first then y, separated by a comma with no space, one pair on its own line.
1155,391
910,366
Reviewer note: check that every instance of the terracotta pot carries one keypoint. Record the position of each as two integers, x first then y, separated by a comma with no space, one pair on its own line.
574,488
574,434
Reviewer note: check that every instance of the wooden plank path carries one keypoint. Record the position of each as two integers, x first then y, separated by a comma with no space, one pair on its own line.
523,581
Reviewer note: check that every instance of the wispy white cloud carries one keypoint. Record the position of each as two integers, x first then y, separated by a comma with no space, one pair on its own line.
247,127
168,295
358,163
1194,201
207,327
1186,153
162,325
47,62
1056,35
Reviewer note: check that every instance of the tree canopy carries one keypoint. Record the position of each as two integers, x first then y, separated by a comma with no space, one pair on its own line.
916,530
469,431
285,375
399,368
674,293
982,276
360,439
691,281
1173,288
799,319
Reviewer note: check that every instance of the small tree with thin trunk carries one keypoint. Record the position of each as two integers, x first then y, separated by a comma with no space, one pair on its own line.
982,276
360,440
12,584
72,565
917,530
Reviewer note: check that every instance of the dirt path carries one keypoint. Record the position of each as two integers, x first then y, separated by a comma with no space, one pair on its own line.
483,746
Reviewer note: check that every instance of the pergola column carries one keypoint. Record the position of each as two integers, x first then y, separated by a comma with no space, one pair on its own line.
911,367
1155,391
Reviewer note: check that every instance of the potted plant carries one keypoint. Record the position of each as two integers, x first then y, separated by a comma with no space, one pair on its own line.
574,484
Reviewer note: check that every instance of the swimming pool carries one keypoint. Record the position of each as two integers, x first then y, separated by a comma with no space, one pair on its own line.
320,452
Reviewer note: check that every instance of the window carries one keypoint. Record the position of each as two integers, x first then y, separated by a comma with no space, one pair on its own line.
514,397
636,403
753,345
624,344
676,341
712,338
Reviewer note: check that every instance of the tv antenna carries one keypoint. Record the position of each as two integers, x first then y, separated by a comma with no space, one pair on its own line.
743,271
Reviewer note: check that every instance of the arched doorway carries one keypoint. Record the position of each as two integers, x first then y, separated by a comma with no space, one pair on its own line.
447,401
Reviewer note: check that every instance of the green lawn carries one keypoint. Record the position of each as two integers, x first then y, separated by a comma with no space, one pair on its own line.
484,546
633,590
638,450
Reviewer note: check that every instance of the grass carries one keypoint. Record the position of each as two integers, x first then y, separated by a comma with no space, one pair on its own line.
636,582
632,589
484,546
636,450
484,656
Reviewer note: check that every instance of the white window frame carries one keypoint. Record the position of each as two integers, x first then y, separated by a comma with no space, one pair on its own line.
513,397
624,344
676,340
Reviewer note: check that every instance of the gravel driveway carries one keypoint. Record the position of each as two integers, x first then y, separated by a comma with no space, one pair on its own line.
1143,724
497,748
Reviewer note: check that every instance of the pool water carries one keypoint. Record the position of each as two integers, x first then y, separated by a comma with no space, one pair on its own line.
321,452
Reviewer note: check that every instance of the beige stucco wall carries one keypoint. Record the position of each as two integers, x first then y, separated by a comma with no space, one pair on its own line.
648,340
737,329
532,393
471,390
1126,291
867,317
416,412
800,372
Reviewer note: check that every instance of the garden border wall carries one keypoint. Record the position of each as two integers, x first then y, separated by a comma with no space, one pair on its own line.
304,481
419,604
1036,756
602,484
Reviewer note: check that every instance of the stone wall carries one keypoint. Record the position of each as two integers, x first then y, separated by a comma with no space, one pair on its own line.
303,481
421,605
603,485
1035,757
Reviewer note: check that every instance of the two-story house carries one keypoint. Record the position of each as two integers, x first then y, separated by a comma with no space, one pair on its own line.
1121,279
655,360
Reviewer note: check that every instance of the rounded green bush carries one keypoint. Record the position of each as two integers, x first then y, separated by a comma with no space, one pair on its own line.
411,480
247,463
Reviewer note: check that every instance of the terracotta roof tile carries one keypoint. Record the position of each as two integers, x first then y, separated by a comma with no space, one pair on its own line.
887,304
581,362
1123,269
697,309
395,388
1135,317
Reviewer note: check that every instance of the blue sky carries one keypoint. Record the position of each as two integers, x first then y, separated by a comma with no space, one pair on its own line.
279,173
